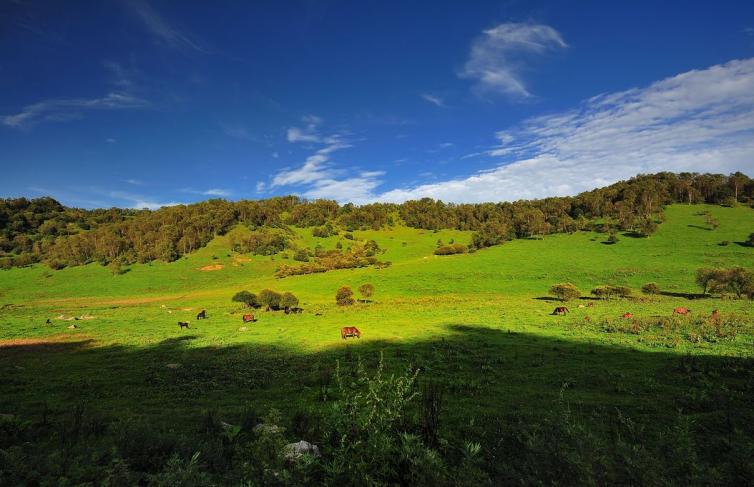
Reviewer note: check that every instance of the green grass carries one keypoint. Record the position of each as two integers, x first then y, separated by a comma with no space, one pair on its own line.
476,322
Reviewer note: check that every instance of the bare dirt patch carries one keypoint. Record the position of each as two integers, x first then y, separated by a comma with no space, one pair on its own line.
50,342
214,267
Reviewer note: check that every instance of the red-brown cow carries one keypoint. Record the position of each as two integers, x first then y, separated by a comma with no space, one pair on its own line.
628,316
248,318
681,311
560,310
349,331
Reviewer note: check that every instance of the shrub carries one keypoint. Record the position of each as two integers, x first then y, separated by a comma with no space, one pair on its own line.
607,292
451,249
288,300
301,255
650,288
565,291
344,296
612,239
269,298
366,291
247,298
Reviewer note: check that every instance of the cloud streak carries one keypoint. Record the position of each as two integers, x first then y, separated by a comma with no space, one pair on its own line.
499,56
160,28
60,110
698,121
434,100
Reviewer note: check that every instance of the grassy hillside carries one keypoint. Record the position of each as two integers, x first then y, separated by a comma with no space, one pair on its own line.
478,323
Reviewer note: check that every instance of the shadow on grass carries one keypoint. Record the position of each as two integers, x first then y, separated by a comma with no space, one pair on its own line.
485,373
700,227
685,295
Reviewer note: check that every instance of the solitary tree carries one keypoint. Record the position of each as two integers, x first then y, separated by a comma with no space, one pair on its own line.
247,298
270,298
288,300
366,291
344,296
565,291
650,288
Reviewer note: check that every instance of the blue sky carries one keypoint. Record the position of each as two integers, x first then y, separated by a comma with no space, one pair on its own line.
140,103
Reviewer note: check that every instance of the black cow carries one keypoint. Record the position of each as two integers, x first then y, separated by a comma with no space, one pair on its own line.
202,315
183,324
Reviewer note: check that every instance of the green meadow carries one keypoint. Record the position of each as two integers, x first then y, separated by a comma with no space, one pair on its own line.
536,391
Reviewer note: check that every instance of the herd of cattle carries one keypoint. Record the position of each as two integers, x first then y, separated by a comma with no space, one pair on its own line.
562,310
345,332
353,332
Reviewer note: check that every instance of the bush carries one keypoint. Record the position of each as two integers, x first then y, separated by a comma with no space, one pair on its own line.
650,288
247,298
344,296
607,292
451,249
270,298
301,255
288,300
565,291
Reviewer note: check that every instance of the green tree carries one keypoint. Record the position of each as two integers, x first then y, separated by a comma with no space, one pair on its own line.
288,300
344,296
270,299
247,298
565,291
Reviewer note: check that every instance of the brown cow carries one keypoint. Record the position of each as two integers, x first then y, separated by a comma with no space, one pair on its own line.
681,311
183,324
715,314
349,331
628,316
560,310
248,318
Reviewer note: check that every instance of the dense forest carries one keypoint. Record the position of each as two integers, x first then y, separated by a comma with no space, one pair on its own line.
43,230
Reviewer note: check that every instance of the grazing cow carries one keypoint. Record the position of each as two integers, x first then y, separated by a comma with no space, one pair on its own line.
627,316
293,310
560,310
202,315
591,304
349,331
248,318
183,324
715,314
48,322
681,311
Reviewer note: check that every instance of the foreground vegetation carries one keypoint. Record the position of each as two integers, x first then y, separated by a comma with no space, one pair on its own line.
462,375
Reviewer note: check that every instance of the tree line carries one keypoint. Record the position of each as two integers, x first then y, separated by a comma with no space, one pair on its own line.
44,230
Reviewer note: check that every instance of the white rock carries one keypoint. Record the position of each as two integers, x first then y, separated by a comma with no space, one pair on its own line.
294,451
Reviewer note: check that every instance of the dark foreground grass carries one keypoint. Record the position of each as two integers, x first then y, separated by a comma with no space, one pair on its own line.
543,410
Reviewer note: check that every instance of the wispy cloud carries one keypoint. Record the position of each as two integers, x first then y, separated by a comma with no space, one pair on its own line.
218,192
318,177
698,121
160,28
499,56
59,110
433,99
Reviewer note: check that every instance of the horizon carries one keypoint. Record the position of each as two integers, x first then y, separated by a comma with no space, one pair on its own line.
340,204
139,104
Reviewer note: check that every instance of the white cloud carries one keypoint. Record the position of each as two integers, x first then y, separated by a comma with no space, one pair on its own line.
698,121
498,56
57,110
135,182
433,99
318,177
217,192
